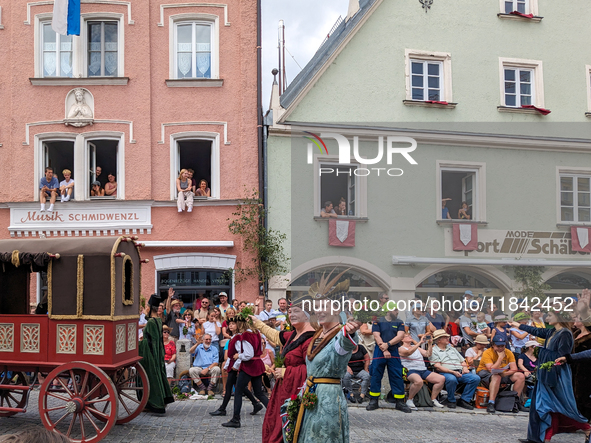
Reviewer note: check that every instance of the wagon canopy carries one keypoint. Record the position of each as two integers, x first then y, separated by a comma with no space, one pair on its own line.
92,278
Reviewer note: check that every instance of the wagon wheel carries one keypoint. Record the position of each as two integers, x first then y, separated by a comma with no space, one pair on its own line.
133,390
69,403
10,398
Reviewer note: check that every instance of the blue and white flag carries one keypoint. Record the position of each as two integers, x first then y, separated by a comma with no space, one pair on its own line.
66,17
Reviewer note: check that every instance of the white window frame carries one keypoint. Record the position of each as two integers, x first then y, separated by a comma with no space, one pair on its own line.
90,137
214,138
538,78
39,158
79,44
92,17
562,171
425,87
80,168
588,81
360,184
478,186
445,71
40,51
531,6
517,81
211,19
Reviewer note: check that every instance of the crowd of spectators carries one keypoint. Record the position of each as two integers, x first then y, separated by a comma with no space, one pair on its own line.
50,187
207,328
436,359
451,355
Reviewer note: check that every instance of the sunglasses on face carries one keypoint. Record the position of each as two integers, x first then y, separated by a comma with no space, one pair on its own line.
165,332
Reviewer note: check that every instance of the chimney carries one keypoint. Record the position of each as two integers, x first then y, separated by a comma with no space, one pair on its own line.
353,8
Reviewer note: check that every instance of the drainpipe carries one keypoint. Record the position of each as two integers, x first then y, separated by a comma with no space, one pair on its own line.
260,103
261,142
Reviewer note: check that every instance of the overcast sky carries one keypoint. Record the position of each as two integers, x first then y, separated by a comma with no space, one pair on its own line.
306,24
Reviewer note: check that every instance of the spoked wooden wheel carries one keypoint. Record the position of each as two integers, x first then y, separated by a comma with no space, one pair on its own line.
79,401
133,390
13,398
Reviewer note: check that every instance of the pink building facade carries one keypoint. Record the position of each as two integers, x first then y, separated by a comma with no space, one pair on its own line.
147,89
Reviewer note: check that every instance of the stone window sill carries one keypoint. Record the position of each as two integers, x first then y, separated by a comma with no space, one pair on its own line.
424,104
571,224
79,81
535,18
342,217
195,83
466,222
515,110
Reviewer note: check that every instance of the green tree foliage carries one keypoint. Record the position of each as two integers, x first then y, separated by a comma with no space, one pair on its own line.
266,245
532,282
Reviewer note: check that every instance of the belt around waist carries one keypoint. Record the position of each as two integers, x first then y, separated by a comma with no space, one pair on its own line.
322,380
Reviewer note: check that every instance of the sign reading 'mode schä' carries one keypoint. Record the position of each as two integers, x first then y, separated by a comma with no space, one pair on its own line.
517,243
86,218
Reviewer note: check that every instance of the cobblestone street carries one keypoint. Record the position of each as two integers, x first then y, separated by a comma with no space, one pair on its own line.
188,421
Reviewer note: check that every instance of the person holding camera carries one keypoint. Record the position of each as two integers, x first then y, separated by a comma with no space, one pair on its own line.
411,357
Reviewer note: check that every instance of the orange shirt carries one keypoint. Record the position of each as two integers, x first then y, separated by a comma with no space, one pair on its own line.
490,357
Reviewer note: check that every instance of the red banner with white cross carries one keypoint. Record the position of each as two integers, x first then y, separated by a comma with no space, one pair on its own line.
341,233
465,236
580,238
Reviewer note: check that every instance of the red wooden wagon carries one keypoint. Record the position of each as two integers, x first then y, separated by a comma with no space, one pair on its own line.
84,351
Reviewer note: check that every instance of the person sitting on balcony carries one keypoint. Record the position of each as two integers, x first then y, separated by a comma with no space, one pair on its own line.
193,182
97,190
184,189
66,186
463,212
342,209
48,187
100,177
445,212
111,186
328,210
203,190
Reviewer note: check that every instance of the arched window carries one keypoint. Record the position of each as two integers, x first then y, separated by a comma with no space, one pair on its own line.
453,284
360,285
569,283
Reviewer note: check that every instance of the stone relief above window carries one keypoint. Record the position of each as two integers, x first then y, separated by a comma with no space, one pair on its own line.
79,108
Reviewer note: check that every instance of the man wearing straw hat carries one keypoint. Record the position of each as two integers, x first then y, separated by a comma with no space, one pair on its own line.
450,363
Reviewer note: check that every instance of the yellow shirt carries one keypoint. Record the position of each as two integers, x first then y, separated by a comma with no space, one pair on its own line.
540,325
490,357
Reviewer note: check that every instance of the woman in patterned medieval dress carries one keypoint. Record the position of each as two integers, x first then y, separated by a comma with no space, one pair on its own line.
292,375
327,357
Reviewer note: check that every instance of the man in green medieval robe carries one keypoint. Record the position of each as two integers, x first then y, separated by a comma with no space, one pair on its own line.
151,349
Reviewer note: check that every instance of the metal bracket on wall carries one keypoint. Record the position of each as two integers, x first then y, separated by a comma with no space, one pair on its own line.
426,4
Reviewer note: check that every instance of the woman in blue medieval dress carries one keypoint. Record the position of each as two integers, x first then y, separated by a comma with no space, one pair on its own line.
327,358
553,407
